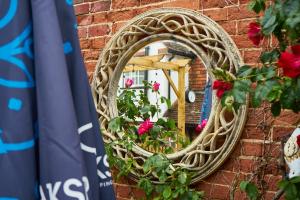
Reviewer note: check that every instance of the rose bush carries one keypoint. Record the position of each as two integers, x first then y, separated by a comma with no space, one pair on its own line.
276,79
136,124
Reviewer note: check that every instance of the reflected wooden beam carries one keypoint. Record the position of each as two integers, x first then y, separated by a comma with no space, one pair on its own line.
171,83
181,101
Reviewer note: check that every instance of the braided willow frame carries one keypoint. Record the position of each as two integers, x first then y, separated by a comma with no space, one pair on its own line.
212,45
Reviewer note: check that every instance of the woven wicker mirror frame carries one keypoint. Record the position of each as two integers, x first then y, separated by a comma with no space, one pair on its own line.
211,44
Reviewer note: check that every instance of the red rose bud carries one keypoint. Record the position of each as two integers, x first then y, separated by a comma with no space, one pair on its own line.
290,63
298,140
221,87
254,33
128,82
155,86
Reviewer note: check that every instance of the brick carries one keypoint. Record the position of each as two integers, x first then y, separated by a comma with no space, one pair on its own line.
229,27
217,14
222,194
247,165
251,149
82,32
116,26
98,43
98,30
85,43
144,2
99,18
217,3
123,191
82,9
251,56
279,132
90,66
139,194
221,177
91,55
287,118
121,15
271,182
117,4
252,132
243,26
77,2
83,20
241,12
100,6
189,4
242,41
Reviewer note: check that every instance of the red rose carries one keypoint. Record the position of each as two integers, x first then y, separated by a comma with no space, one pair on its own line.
220,93
201,126
145,127
155,86
290,62
298,140
221,87
254,33
128,82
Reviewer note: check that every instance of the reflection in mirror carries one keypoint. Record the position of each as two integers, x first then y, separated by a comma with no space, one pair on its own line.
164,96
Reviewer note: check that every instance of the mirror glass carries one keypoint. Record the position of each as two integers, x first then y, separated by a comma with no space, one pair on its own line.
164,96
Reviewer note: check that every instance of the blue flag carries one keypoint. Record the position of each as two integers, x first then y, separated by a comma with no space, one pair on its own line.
50,142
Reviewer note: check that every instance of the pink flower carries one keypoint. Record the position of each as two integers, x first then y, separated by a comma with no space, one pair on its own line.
198,128
203,123
145,127
221,87
201,126
254,33
155,86
290,62
298,140
128,82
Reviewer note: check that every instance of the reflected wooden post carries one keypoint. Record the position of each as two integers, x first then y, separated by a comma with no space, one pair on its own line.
181,101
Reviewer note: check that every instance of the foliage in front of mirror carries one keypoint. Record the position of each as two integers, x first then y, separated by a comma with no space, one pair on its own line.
276,79
161,137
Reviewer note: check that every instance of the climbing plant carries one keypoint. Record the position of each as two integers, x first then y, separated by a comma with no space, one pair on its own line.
160,137
276,79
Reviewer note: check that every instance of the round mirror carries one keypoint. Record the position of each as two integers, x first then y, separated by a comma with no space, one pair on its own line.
166,86
156,73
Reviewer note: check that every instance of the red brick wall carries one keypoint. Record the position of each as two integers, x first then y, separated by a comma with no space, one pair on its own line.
98,20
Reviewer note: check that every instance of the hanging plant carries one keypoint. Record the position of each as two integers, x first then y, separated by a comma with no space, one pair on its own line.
276,79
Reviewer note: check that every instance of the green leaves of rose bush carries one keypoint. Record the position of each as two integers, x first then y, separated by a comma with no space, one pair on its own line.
282,93
175,183
134,107
291,188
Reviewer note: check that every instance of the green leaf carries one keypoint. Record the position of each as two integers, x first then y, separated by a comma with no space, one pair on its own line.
295,179
250,189
257,5
145,109
269,56
167,192
276,108
182,178
146,185
243,185
268,22
115,124
245,71
242,85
